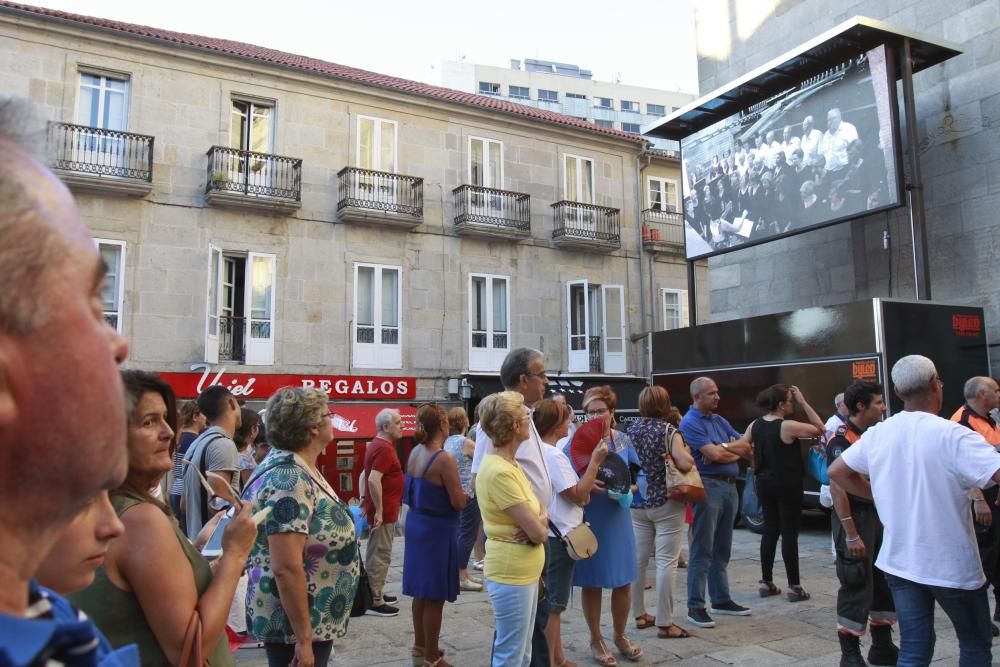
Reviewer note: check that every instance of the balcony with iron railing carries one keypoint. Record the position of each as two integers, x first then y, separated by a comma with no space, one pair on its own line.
379,197
586,226
481,211
244,179
662,230
594,343
91,158
231,334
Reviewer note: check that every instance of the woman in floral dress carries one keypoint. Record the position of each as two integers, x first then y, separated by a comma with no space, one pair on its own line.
298,611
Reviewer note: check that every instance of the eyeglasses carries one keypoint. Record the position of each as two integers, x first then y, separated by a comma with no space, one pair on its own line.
597,411
541,376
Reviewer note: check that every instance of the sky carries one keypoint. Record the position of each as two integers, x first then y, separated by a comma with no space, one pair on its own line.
644,43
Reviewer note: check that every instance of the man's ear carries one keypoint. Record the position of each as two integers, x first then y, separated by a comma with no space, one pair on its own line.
8,402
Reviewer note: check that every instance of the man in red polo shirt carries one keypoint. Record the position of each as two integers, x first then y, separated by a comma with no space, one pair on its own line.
381,504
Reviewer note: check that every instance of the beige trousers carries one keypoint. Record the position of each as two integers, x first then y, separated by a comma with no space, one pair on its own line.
378,554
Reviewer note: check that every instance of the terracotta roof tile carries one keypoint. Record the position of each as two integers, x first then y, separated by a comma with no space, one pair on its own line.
243,50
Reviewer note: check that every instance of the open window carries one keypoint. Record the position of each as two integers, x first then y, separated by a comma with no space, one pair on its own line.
489,321
662,194
377,305
485,171
102,107
675,308
113,256
596,327
579,187
240,308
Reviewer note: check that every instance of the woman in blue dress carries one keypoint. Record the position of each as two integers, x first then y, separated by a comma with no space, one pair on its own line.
614,564
433,491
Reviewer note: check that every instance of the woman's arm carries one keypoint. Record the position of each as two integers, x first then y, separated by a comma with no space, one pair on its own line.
790,429
469,448
580,493
528,521
452,483
289,572
680,454
150,561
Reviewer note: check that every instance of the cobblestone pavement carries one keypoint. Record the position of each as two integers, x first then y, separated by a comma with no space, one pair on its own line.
778,632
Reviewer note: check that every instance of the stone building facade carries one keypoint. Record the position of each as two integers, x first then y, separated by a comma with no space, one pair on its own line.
958,112
266,212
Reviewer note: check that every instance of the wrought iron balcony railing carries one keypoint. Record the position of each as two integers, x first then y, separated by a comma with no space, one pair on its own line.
594,342
98,152
662,228
231,334
492,212
380,192
586,225
366,334
231,170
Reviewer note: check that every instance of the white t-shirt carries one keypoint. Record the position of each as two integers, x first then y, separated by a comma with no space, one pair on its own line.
565,514
921,467
529,455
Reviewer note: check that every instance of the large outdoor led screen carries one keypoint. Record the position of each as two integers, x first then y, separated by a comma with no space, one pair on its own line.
821,152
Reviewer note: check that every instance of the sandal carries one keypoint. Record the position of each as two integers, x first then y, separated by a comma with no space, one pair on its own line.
628,649
417,653
767,589
437,663
664,632
602,654
644,621
797,594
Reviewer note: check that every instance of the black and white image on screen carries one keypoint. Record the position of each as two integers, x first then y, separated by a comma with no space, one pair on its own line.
821,152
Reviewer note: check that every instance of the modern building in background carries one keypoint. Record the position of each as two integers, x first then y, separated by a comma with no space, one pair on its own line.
569,90
957,107
271,219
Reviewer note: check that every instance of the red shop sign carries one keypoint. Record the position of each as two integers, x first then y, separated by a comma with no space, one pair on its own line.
260,386
358,421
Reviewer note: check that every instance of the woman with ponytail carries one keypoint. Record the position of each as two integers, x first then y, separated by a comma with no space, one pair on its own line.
433,491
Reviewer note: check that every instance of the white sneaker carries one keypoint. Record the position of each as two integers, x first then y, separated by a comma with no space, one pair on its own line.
470,585
479,564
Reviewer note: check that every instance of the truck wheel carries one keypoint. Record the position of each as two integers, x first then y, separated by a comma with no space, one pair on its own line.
750,509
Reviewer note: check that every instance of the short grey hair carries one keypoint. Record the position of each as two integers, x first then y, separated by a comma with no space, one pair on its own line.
27,249
384,418
974,385
838,400
912,375
516,364
291,412
698,384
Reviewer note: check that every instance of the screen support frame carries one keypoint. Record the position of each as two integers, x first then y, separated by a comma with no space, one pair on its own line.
915,188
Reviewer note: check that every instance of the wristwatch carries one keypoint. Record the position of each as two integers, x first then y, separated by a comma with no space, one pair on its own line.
725,446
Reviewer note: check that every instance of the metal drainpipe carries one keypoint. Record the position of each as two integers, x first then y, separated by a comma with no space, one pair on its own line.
638,227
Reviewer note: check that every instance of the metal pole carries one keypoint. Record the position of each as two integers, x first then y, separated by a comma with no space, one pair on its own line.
692,298
915,189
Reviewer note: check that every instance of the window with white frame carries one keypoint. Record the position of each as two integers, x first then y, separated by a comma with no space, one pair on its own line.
376,149
656,110
548,95
489,88
604,102
630,127
112,294
485,171
575,96
629,105
607,124
519,92
103,101
376,325
595,327
662,194
240,307
675,308
489,321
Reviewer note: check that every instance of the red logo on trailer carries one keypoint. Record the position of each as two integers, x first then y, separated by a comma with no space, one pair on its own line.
967,325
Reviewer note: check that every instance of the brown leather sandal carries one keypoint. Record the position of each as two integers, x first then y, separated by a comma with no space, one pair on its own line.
645,621
672,631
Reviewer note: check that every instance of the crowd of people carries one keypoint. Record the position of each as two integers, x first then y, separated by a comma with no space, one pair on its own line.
97,568
773,181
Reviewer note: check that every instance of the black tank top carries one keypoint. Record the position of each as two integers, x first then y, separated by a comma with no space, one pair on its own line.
780,460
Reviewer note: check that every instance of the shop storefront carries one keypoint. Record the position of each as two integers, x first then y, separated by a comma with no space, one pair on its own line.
355,400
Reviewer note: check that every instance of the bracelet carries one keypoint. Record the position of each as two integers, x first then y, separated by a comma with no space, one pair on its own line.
979,500
846,518
853,539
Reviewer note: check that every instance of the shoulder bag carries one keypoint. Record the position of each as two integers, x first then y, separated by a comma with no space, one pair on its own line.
192,654
687,486
581,543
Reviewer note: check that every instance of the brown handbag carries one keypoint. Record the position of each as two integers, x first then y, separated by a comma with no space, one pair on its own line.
685,487
191,654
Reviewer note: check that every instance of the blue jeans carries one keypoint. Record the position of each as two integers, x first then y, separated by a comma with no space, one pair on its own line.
470,521
969,612
282,655
514,614
712,543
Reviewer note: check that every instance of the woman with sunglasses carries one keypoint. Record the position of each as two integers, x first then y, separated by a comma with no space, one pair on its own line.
614,564
153,581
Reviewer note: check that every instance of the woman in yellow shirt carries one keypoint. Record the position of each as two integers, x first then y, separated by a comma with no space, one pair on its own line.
516,526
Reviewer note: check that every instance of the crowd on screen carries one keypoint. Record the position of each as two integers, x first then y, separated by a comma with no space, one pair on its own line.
773,181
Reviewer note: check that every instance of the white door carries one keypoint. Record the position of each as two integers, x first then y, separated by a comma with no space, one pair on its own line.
213,305
250,130
486,171
376,152
377,303
577,302
102,104
613,298
579,187
259,308
489,334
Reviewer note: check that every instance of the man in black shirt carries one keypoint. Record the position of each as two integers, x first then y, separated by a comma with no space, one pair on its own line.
864,595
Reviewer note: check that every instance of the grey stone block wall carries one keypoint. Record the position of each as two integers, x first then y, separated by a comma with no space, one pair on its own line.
958,114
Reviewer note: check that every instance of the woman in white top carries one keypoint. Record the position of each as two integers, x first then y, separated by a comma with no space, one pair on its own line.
569,494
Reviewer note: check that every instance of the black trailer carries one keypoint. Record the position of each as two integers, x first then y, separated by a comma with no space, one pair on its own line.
822,350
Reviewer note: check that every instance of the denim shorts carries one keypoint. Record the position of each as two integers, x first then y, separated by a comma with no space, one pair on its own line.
558,575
